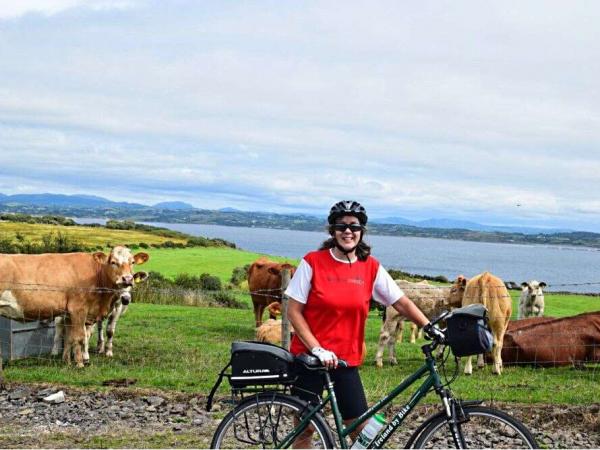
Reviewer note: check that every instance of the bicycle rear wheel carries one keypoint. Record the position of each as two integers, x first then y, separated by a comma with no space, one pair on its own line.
484,428
263,421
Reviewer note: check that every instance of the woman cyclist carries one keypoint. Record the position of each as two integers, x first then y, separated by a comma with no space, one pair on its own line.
330,294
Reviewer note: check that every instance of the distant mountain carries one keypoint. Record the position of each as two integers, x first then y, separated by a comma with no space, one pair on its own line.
229,210
60,200
173,205
395,221
455,224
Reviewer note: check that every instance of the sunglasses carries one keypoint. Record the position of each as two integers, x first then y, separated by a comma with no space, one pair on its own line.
354,227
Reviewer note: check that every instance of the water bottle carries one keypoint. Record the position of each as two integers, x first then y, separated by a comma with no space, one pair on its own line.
369,432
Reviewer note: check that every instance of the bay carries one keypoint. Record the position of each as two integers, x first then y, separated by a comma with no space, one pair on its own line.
575,269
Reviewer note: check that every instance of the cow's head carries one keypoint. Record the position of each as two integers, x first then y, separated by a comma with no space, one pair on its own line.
276,269
533,288
118,266
457,290
125,293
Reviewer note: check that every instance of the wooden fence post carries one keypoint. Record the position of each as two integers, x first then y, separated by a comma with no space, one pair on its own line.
285,323
2,385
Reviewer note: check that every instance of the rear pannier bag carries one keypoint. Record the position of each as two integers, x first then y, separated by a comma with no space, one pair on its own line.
468,332
259,363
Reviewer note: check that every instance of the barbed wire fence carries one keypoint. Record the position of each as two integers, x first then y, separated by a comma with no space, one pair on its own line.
130,353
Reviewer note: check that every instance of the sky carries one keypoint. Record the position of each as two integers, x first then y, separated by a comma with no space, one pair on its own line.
483,111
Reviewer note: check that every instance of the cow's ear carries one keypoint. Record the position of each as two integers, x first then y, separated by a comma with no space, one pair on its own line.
274,270
542,284
138,277
524,284
141,258
461,280
100,257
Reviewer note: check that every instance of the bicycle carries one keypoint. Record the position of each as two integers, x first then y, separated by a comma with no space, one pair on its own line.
274,418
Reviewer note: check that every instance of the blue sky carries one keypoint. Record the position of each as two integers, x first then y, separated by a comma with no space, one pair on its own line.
485,111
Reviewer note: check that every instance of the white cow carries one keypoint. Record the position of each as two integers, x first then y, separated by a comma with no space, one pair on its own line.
531,303
431,300
119,305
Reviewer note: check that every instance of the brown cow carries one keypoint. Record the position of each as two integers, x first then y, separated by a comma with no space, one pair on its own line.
554,342
81,286
490,291
264,282
515,325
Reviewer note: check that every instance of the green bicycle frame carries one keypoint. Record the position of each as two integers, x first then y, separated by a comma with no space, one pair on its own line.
433,380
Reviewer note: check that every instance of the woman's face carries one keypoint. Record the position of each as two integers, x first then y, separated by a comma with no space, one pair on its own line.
347,238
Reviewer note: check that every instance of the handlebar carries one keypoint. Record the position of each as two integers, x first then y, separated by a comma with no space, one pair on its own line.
440,317
313,363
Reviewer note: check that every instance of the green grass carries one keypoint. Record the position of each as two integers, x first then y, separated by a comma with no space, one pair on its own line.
218,261
184,348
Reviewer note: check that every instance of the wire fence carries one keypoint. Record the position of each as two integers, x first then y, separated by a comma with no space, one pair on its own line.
182,346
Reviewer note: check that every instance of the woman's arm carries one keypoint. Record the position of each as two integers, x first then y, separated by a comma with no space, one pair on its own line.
301,327
304,333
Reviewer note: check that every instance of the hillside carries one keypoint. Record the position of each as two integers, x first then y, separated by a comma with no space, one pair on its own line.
177,212
28,234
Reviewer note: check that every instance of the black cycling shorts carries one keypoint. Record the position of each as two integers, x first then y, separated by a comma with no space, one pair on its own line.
348,389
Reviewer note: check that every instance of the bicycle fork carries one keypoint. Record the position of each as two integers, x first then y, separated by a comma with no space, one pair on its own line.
455,416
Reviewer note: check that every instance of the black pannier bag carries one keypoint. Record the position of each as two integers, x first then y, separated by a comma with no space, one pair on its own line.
259,363
468,332
255,364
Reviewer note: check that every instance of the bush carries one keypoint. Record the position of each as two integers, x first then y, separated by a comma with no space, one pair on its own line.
187,281
210,282
143,245
227,300
50,243
239,274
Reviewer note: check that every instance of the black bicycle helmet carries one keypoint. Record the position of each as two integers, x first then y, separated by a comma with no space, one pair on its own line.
347,208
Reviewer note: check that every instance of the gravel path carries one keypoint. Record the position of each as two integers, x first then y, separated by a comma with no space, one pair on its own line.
125,417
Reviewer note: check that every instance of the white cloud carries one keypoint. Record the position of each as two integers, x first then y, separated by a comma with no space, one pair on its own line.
459,109
12,9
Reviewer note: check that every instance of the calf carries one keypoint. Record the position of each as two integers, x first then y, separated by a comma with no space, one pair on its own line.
555,342
270,331
431,300
79,286
264,282
531,303
490,291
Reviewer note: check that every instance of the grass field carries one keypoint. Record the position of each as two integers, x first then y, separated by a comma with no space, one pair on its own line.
218,261
91,237
183,348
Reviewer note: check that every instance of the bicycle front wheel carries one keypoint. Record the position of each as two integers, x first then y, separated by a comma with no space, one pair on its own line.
265,420
483,428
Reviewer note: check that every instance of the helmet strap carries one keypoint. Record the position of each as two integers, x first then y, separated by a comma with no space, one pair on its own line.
347,252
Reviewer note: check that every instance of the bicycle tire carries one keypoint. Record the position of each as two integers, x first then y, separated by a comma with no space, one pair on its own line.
263,420
485,428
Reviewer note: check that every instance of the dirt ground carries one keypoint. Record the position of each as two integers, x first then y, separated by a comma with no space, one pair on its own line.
124,417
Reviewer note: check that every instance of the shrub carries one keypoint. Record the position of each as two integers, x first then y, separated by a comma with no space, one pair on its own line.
239,274
227,300
187,281
143,245
210,282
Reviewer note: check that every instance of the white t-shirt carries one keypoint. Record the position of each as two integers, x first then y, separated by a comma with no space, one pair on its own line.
385,290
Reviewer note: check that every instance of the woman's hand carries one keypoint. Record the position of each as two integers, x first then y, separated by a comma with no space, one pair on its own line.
327,358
